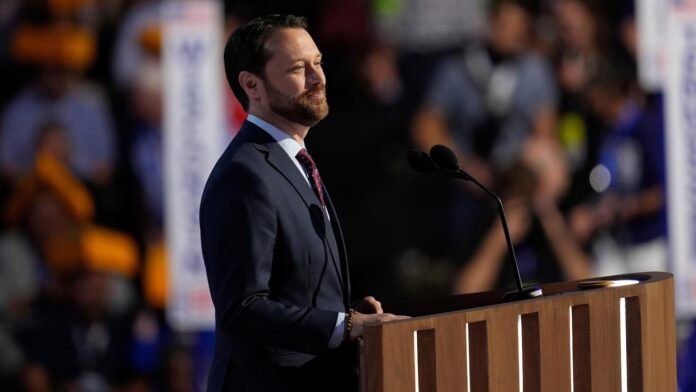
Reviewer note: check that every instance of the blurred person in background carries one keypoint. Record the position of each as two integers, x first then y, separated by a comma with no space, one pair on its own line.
9,11
545,247
147,157
582,39
74,342
58,93
45,208
485,104
138,31
626,218
410,39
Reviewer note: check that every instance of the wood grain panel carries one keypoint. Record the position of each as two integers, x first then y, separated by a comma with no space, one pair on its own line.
450,343
659,335
554,347
372,361
605,343
399,370
503,369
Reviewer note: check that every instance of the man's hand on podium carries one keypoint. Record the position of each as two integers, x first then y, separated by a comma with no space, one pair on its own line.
368,305
367,312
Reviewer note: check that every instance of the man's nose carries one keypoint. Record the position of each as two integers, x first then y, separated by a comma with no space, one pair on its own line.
315,76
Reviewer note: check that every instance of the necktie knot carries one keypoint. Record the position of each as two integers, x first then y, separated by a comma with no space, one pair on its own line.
306,160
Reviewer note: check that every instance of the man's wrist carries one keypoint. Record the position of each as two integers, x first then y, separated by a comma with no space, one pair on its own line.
348,322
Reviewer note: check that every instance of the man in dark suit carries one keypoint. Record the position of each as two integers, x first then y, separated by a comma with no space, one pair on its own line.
272,243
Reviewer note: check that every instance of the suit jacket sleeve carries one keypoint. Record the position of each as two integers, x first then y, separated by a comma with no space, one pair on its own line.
238,232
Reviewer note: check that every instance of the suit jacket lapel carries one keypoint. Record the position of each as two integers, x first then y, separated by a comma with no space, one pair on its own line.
279,159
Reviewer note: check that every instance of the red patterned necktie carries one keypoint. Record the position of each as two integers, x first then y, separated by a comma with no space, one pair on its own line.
306,160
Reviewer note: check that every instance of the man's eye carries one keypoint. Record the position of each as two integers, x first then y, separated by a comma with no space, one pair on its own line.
297,68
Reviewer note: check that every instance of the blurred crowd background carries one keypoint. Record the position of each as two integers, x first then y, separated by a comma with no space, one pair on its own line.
539,99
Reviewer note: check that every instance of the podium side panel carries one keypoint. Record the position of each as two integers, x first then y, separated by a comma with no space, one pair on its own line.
503,361
659,337
371,361
554,330
605,341
399,357
450,336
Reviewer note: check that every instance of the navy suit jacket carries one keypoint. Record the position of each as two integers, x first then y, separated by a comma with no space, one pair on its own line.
276,268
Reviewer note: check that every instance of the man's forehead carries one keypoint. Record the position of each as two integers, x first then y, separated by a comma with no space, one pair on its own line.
291,43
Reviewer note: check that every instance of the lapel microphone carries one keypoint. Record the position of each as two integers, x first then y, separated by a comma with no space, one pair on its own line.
443,162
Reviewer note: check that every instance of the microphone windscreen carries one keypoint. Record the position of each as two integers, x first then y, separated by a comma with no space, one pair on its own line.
421,162
444,158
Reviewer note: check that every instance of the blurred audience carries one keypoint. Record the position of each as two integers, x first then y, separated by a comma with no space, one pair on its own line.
58,259
58,95
538,99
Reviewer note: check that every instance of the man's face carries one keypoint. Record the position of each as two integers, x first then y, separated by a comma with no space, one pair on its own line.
295,86
508,31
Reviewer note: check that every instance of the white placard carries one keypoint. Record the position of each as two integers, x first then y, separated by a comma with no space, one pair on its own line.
651,18
194,136
681,152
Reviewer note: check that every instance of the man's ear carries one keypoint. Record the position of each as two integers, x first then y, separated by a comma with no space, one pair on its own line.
251,85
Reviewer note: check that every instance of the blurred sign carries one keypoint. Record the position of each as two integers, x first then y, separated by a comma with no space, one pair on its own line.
652,35
193,140
681,151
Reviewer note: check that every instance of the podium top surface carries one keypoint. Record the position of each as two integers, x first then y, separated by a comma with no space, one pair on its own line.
431,306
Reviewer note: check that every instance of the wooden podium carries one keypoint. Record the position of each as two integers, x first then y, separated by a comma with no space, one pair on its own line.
574,338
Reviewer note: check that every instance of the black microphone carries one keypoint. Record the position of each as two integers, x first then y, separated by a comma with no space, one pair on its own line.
421,162
445,163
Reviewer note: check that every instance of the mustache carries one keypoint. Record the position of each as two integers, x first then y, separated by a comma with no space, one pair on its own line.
321,87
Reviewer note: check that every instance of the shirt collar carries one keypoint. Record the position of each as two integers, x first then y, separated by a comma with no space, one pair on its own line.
286,142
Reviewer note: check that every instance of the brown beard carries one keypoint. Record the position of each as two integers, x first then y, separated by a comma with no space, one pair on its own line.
299,109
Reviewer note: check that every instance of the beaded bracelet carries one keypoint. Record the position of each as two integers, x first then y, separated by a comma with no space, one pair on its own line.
349,324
